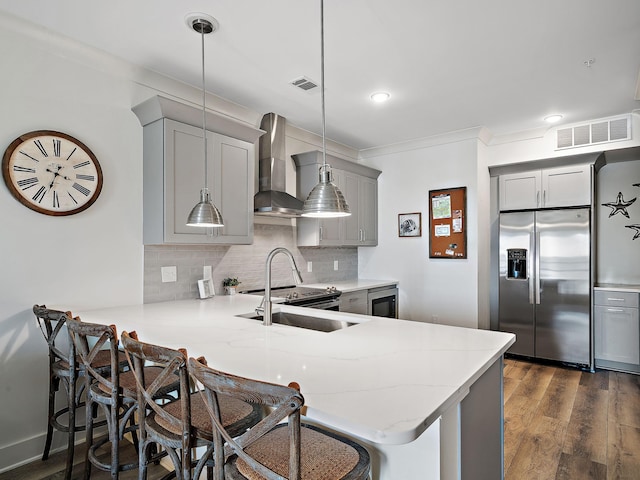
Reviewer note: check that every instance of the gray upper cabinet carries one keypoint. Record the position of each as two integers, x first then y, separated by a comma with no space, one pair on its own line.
549,188
361,192
359,184
174,174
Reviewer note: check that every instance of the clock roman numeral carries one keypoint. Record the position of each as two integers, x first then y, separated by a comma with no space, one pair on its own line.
90,178
41,147
56,147
27,155
72,152
27,182
83,164
83,190
39,194
56,200
18,168
74,200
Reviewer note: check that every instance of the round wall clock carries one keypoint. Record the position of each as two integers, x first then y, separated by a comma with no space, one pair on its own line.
52,173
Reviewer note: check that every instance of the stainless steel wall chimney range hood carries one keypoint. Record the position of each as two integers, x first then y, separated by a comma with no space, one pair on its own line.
272,198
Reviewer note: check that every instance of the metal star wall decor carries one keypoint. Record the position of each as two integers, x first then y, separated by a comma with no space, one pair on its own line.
619,206
636,228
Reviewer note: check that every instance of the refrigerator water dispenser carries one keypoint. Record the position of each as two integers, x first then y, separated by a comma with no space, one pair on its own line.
517,264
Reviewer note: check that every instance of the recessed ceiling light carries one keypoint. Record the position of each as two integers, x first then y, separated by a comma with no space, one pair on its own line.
556,117
380,97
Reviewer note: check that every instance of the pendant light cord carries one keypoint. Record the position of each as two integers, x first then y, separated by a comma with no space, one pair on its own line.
204,115
324,141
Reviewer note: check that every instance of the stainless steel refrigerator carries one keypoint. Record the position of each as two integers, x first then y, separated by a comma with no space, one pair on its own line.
545,283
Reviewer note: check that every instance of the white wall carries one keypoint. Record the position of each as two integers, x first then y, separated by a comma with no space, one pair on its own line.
90,259
445,288
539,145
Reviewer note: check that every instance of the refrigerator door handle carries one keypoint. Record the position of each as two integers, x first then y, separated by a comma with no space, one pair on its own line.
532,250
537,270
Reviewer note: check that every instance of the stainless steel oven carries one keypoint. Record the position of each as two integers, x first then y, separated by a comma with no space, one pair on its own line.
383,302
323,299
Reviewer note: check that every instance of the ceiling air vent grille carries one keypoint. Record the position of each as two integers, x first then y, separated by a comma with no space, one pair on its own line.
600,131
304,83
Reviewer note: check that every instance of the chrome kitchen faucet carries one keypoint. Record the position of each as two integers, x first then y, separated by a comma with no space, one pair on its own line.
265,306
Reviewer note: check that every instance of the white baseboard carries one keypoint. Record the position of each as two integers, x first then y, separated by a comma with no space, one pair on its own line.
29,450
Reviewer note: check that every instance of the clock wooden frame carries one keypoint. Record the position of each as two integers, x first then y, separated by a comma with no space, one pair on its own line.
81,190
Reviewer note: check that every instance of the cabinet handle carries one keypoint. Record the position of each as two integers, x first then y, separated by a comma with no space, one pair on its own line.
615,299
544,198
615,310
321,232
364,235
538,198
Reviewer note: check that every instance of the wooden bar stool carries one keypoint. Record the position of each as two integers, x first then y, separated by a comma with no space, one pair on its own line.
184,424
52,323
114,393
273,450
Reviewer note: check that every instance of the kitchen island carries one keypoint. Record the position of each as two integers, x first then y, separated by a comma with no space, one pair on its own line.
425,399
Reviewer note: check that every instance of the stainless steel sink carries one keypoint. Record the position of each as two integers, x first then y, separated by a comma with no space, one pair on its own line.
303,321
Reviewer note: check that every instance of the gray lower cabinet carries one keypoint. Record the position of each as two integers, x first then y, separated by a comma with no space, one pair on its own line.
174,174
354,302
359,184
617,330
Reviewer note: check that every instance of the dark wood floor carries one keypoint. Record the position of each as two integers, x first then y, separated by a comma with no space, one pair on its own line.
53,468
560,424
565,424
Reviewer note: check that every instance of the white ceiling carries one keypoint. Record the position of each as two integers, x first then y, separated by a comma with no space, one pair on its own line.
449,65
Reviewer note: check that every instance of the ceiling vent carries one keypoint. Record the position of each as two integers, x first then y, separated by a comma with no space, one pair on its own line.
598,131
304,83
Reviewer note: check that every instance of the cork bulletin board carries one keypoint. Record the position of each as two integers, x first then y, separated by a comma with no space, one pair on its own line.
448,223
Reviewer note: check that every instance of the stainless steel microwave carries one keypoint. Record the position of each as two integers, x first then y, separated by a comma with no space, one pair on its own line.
383,302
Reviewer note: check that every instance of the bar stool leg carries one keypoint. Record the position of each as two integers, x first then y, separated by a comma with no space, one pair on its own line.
54,383
91,411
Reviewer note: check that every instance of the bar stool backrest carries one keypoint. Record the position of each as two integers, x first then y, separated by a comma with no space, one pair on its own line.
285,403
103,337
51,323
171,361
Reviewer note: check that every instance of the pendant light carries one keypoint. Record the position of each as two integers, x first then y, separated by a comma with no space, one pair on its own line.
325,200
204,214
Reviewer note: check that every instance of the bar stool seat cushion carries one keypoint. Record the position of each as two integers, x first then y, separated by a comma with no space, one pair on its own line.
128,382
322,455
232,411
102,360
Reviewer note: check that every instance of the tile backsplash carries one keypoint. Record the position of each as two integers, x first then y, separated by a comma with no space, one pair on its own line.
246,262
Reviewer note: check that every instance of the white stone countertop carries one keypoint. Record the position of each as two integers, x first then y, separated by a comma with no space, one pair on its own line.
384,380
346,286
617,287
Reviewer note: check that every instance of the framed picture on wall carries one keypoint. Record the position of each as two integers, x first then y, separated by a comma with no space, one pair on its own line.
410,224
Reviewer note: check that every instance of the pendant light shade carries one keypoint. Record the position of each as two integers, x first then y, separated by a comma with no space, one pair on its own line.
204,214
325,199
